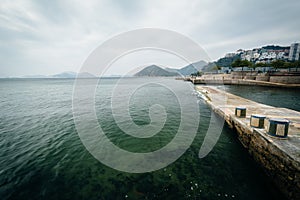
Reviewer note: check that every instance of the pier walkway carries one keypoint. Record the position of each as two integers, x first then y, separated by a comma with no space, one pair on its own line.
280,158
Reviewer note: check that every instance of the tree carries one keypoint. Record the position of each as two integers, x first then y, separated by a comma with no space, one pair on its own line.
216,68
241,63
296,64
236,63
261,65
246,63
288,65
198,73
277,64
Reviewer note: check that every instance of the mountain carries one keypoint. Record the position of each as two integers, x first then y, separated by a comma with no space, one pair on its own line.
273,47
171,70
209,67
73,75
226,61
192,68
65,75
154,70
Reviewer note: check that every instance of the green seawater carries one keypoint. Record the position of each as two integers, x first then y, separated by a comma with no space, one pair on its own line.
42,156
277,97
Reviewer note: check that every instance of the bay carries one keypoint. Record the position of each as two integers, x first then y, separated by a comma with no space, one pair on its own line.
42,156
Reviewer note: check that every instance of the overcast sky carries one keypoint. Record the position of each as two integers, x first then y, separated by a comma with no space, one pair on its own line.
48,37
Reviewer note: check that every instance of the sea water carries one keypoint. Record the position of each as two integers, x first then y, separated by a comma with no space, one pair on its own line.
42,156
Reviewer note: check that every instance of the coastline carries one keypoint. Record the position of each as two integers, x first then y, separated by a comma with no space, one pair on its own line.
249,78
243,82
280,159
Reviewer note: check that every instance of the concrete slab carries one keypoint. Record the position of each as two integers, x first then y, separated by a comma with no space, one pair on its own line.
279,157
219,97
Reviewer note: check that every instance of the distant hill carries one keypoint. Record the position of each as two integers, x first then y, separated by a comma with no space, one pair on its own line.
209,67
171,70
63,75
192,68
273,47
154,70
226,61
73,75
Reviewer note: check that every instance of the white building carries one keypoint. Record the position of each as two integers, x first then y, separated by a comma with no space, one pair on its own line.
294,51
280,56
256,55
267,55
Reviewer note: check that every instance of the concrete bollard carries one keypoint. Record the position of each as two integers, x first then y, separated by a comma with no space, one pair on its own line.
240,112
277,128
257,121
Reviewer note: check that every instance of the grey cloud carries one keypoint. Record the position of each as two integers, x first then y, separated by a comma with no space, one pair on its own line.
55,11
44,36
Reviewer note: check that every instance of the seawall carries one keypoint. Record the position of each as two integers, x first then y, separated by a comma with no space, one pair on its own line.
235,78
279,158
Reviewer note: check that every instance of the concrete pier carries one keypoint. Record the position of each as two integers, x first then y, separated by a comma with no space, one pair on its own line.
240,82
280,158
